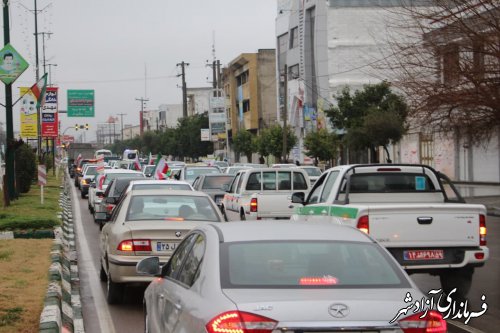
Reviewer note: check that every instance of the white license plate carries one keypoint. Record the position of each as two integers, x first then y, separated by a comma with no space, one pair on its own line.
165,246
424,255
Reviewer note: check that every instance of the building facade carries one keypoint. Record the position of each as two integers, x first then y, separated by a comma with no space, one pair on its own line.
337,44
250,91
198,100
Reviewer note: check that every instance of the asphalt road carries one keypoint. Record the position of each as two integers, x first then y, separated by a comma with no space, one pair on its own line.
128,317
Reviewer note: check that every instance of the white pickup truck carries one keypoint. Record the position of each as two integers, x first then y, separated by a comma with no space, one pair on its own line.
412,210
263,193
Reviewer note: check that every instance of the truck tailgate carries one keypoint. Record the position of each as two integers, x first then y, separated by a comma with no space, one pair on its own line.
425,225
274,204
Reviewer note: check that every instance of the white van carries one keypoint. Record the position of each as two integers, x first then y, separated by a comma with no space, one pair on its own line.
130,154
263,193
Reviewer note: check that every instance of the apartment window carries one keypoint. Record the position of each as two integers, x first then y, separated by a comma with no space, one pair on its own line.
450,64
242,79
294,38
246,105
282,43
293,72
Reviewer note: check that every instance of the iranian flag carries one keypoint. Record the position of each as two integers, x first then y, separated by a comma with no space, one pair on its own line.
38,90
137,163
161,168
150,159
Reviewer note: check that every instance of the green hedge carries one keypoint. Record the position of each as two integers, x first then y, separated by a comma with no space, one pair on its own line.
11,223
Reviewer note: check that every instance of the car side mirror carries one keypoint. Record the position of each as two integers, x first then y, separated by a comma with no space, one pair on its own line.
93,185
225,187
298,197
149,266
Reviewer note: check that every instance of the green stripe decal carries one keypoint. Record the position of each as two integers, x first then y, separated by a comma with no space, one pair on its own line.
345,212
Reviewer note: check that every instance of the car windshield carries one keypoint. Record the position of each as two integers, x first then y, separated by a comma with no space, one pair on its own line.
91,171
111,176
171,208
308,264
156,186
192,173
215,183
313,171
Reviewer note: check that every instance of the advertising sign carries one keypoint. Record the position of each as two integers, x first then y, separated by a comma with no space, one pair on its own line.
12,65
49,113
205,134
68,138
29,117
81,103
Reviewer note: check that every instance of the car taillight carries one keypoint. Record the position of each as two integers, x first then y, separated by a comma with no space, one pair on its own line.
432,322
482,230
253,205
131,245
240,322
318,281
84,182
364,224
109,208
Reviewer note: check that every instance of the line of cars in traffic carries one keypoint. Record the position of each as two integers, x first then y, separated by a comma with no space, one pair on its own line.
205,275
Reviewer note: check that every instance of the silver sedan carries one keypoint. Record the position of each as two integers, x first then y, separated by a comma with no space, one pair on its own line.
147,223
281,277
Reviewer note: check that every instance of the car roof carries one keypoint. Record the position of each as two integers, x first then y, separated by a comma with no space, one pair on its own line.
168,192
216,175
287,230
159,181
121,171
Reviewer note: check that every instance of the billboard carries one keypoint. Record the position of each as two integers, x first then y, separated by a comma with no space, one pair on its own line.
81,103
49,113
29,117
12,64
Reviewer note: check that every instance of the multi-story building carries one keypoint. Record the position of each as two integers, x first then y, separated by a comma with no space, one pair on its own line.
330,45
198,100
250,90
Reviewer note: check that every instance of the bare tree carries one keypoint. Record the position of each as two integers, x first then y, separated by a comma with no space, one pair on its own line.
445,56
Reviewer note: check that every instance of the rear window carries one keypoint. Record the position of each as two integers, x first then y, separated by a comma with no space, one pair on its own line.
176,208
308,264
91,171
111,176
182,187
192,173
215,183
389,182
313,171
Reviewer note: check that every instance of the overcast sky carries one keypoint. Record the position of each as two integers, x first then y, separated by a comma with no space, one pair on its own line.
108,45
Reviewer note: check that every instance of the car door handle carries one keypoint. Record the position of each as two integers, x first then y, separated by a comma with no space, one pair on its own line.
161,296
424,220
178,306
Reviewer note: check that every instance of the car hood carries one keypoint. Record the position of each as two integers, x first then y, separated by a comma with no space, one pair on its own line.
306,307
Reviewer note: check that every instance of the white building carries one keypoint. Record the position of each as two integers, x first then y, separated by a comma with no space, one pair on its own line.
198,100
339,41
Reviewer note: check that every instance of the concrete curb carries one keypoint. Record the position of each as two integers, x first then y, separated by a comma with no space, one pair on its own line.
62,310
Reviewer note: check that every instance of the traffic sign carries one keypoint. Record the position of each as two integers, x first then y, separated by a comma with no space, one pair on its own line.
42,175
12,64
80,103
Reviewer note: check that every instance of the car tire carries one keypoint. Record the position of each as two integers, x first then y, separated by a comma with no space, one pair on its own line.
83,194
242,216
459,278
114,291
102,274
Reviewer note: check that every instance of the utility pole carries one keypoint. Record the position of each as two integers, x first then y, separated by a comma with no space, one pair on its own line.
184,89
121,121
219,76
285,112
141,121
43,49
10,152
50,73
37,77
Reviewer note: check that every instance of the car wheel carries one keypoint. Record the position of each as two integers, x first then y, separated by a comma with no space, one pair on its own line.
82,194
460,278
92,210
114,291
102,274
242,216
